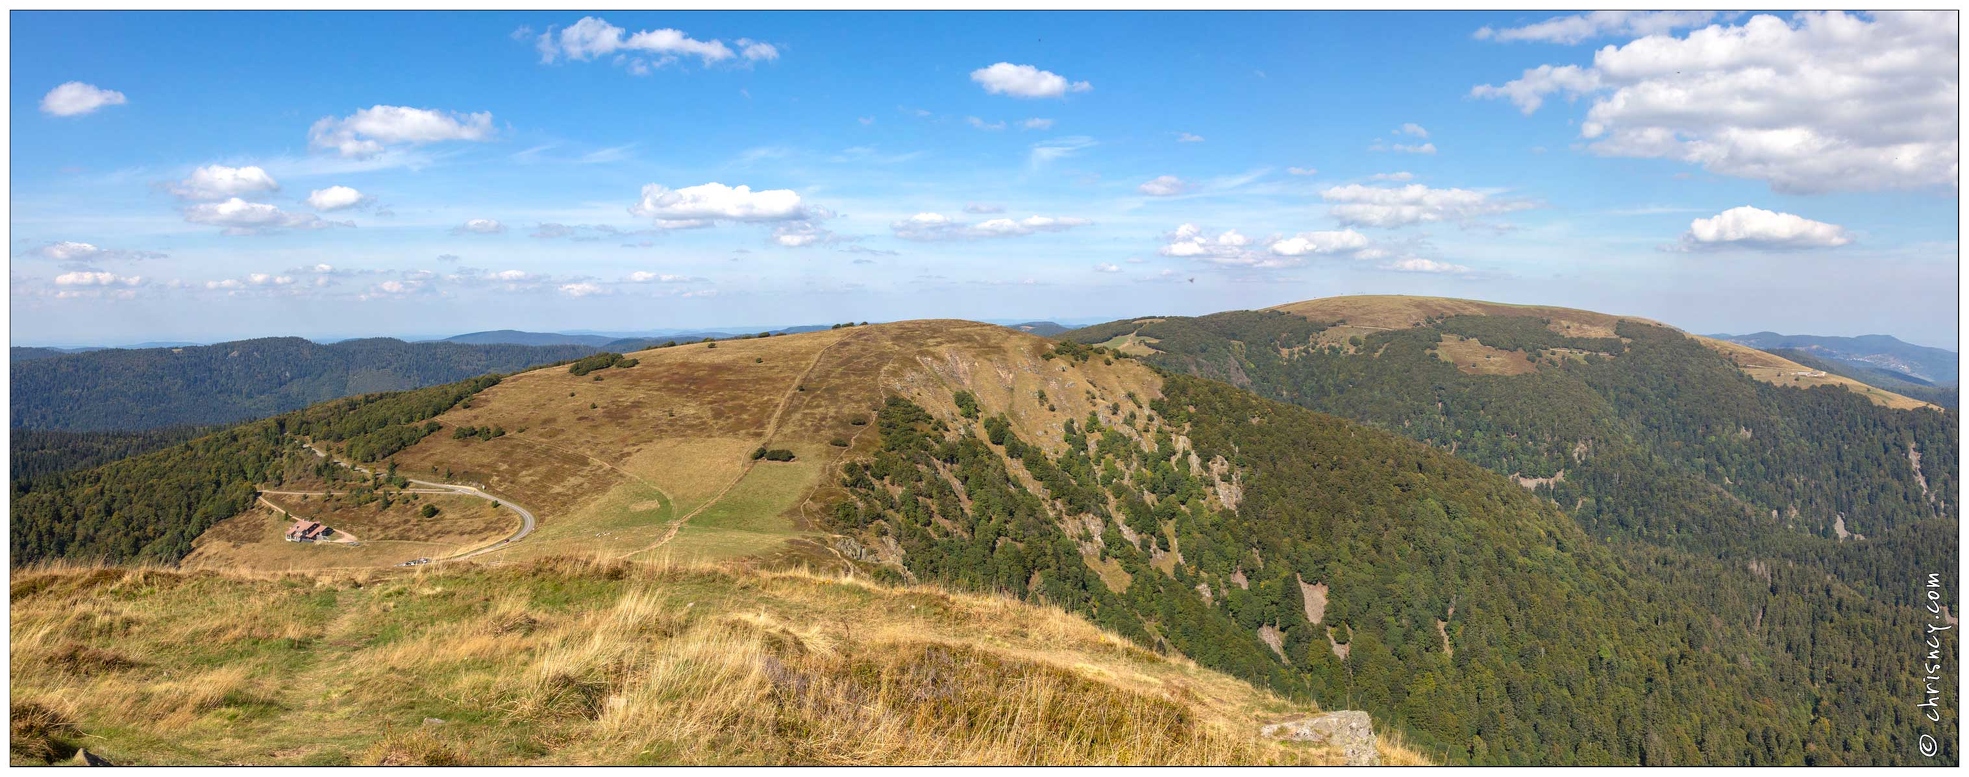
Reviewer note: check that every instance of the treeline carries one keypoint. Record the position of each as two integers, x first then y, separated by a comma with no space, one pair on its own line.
150,507
150,388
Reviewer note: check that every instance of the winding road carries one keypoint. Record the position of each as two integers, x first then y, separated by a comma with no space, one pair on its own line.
526,516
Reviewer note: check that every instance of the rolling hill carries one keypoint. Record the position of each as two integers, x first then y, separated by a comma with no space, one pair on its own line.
1943,395
1324,560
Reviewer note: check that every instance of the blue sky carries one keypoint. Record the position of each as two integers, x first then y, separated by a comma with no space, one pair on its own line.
210,176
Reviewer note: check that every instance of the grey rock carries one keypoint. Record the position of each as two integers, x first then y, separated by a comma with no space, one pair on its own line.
1350,730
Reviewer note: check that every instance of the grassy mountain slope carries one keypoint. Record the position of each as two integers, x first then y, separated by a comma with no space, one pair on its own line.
587,662
1294,550
134,389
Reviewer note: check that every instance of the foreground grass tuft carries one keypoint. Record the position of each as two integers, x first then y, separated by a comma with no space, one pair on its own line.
585,661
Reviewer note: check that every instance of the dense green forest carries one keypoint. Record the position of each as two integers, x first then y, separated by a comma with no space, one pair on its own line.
149,508
150,388
1473,614
1658,437
37,454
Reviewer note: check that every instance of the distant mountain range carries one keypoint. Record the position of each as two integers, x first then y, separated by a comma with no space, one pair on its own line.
129,389
1935,366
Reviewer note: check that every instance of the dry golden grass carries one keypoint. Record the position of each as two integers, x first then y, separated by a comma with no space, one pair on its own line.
1475,358
590,662
1368,313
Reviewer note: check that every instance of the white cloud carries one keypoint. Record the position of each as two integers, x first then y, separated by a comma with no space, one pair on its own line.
582,289
1036,124
1412,128
1599,24
97,279
369,131
268,279
1302,171
77,99
71,251
1106,267
1025,81
1163,186
800,234
650,277
704,204
936,226
1823,102
1756,228
1058,148
1184,137
1398,177
479,227
754,51
592,38
1343,241
1404,148
982,124
240,217
218,182
979,207
1419,264
336,198
1374,206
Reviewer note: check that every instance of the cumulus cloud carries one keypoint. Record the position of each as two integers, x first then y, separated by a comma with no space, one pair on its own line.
448,257
984,125
1398,177
1231,248
85,278
705,204
479,227
1162,186
1345,241
1025,81
240,217
1823,102
72,251
1756,228
218,182
78,99
1107,267
936,226
369,131
979,207
1580,28
1184,137
1412,129
641,52
1373,206
1036,124
582,289
337,198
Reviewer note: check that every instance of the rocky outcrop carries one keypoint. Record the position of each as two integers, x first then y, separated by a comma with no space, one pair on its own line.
1348,730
